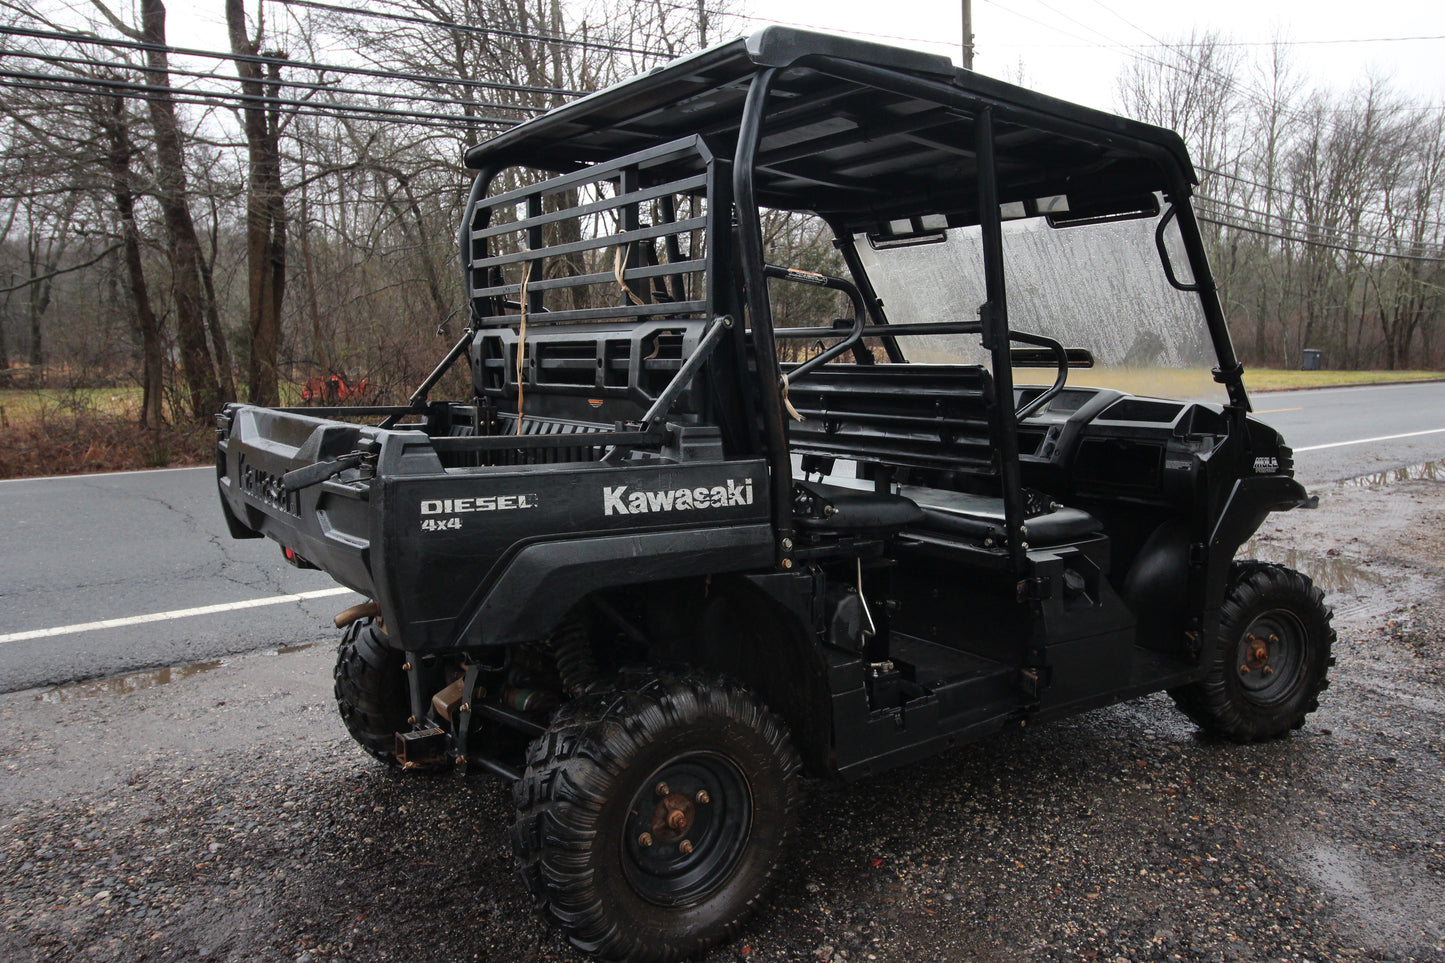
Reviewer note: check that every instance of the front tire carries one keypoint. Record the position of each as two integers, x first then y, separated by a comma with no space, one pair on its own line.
651,816
1272,660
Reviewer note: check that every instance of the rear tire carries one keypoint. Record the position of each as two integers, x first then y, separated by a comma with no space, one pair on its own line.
371,689
651,816
1272,659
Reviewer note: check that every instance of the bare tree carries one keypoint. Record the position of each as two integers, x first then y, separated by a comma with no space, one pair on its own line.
112,118
183,248
1407,290
265,203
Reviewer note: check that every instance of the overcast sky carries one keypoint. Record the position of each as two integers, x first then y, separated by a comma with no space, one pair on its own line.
1075,48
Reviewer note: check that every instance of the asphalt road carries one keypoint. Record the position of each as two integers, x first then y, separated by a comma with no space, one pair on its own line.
1315,423
81,549
86,548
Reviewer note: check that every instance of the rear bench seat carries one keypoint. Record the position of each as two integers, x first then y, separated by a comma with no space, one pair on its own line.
851,505
980,518
913,416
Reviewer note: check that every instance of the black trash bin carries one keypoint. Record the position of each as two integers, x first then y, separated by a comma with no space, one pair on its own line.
1313,360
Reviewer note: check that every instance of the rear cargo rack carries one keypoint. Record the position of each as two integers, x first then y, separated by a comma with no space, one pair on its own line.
584,246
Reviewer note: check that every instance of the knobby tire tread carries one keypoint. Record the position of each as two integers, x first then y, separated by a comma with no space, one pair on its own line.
571,773
370,689
1214,703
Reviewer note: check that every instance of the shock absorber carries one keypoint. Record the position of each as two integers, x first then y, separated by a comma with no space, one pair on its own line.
571,650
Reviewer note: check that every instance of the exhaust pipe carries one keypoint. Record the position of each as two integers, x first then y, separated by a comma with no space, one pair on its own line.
361,610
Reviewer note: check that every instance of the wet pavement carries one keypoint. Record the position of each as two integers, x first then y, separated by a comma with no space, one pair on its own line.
218,811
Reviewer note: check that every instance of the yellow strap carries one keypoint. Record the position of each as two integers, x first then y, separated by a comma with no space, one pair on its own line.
522,339
788,404
619,266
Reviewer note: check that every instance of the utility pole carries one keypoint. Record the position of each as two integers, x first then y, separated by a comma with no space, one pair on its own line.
702,23
968,34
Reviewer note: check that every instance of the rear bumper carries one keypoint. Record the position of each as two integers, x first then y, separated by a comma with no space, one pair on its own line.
328,524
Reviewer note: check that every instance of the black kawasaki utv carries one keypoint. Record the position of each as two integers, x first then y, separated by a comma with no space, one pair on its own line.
693,534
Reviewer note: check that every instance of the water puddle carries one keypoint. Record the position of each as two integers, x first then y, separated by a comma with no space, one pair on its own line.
1371,890
125,684
293,649
1425,471
1332,573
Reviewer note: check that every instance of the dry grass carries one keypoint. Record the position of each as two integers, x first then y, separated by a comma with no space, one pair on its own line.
1193,384
76,431
1275,379
22,406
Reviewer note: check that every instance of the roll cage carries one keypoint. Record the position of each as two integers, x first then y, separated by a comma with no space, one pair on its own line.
867,137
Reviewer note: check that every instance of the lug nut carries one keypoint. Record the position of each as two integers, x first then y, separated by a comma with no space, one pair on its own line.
1244,669
1268,670
685,847
645,839
662,789
703,798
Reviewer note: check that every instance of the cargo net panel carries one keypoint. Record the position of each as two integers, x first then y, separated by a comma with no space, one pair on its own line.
619,240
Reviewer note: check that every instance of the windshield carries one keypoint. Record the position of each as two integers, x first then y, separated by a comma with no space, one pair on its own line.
1095,286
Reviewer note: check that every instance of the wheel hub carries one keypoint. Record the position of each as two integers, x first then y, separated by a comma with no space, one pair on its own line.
686,828
672,818
1257,654
1270,656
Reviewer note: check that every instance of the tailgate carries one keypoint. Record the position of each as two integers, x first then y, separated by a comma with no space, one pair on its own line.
330,524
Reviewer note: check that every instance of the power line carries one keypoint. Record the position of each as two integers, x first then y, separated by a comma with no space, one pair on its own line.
1074,20
467,28
1306,233
1220,222
1127,22
1300,224
279,82
842,30
204,101
1243,43
90,38
1292,193
64,83
1042,23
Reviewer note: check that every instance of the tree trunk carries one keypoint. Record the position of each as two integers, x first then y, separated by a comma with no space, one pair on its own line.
152,350
183,248
212,313
265,210
36,310
38,300
4,352
323,355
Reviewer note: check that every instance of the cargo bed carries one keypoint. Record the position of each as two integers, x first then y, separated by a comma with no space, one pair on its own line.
455,533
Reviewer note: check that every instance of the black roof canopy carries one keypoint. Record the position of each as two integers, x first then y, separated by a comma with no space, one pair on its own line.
858,132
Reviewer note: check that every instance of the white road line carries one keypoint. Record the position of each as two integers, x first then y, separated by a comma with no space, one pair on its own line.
173,614
106,474
1366,441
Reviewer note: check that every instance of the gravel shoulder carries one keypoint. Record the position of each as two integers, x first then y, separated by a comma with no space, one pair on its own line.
219,812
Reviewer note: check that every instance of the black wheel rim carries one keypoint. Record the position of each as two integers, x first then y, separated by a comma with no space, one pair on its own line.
1269,658
687,827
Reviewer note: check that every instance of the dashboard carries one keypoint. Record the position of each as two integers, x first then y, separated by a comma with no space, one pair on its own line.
1102,442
